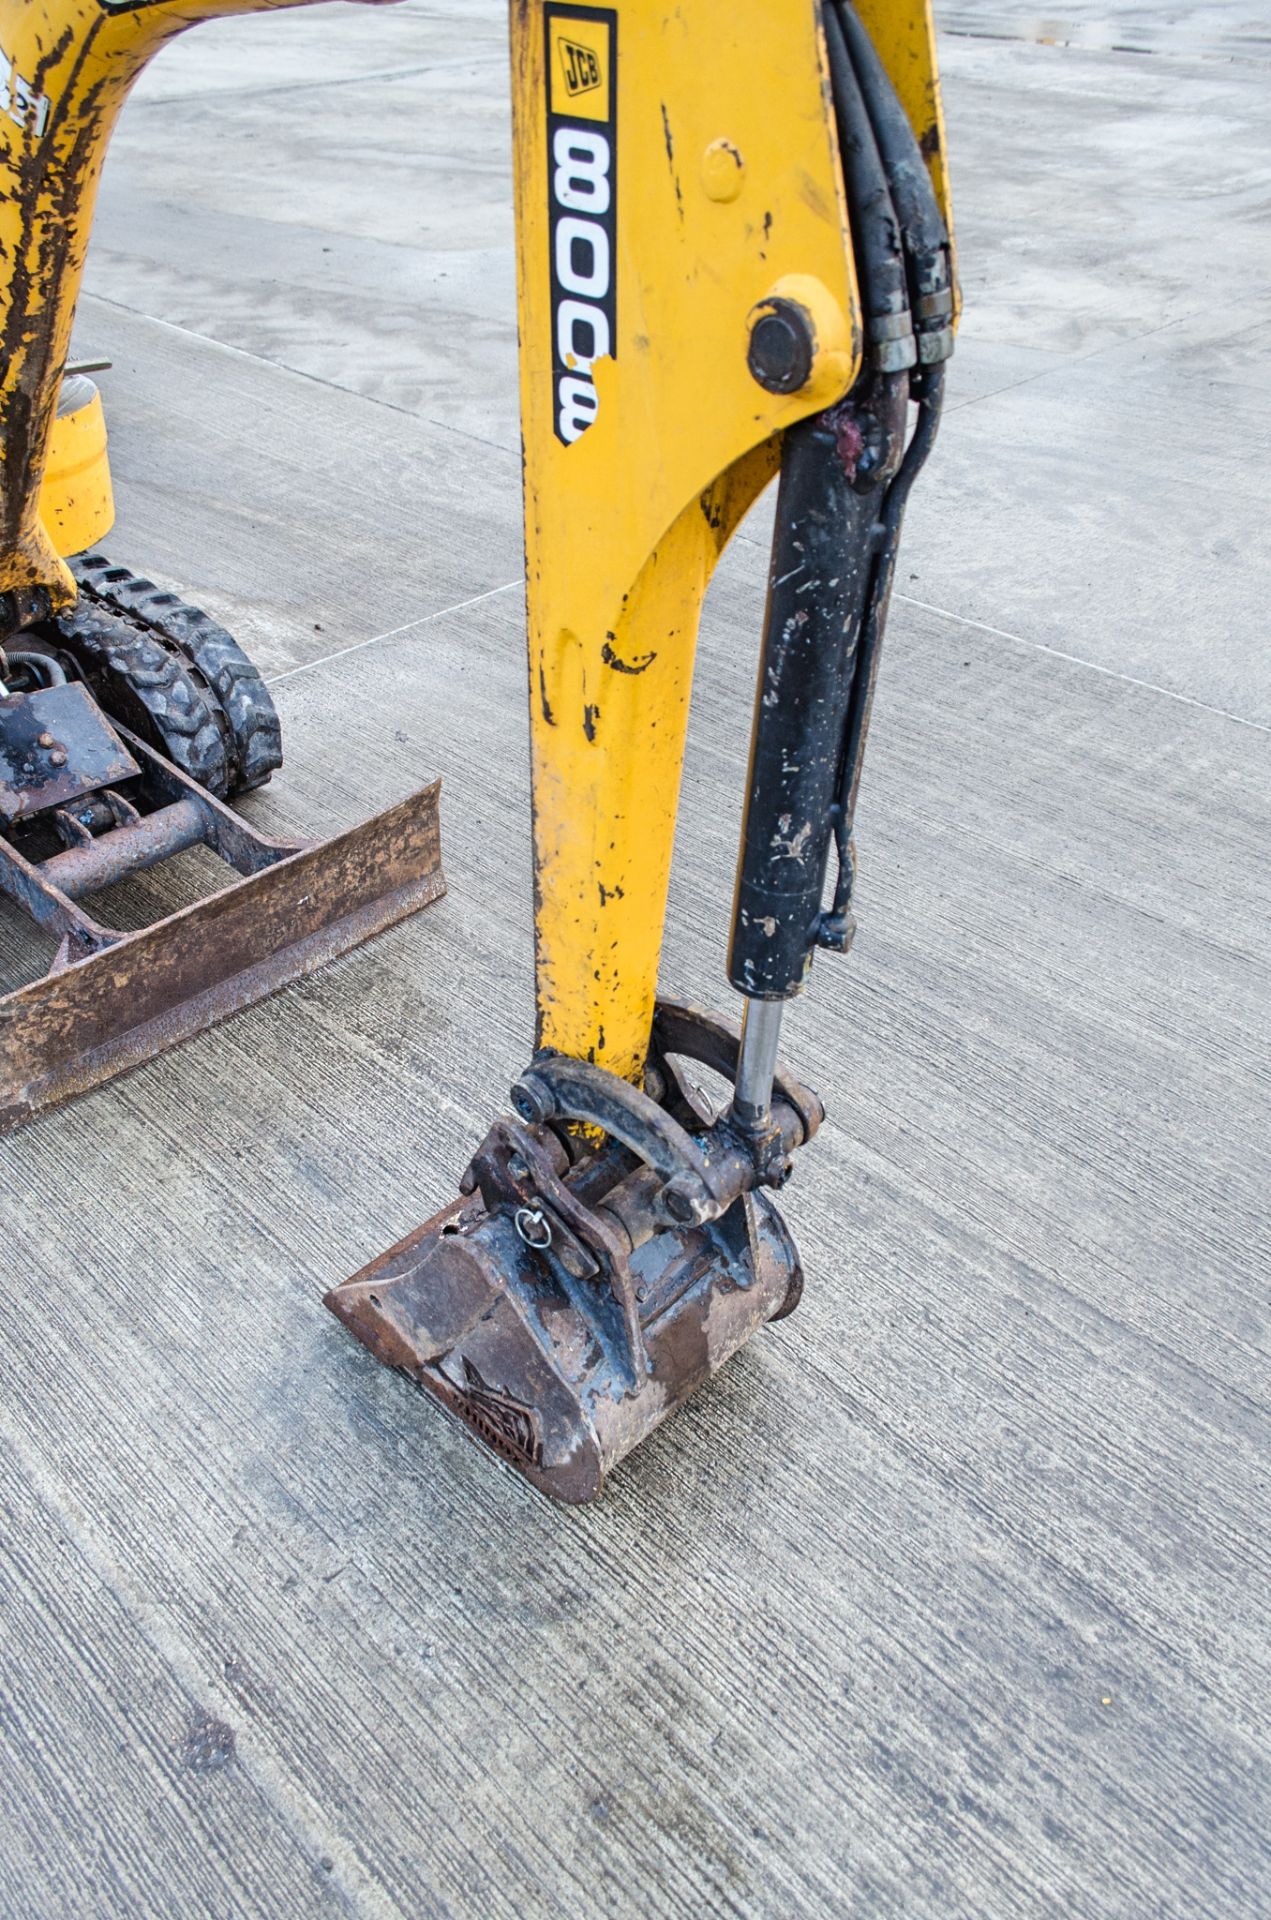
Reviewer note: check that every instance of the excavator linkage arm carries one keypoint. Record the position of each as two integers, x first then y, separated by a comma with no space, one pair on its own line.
734,259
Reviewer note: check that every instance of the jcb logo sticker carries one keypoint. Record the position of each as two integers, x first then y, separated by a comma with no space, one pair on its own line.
582,192
580,60
582,69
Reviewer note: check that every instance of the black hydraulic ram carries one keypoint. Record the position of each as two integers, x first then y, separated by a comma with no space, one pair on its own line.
845,478
834,474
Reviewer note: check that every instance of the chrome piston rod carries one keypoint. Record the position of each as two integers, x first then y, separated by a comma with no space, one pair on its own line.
760,1039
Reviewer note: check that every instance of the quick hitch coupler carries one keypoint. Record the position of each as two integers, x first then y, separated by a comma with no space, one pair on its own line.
575,1294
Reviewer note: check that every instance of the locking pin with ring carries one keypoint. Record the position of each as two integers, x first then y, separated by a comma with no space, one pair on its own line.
534,1227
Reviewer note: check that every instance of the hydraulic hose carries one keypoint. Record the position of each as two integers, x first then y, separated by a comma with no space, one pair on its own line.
926,239
41,665
876,231
845,483
835,931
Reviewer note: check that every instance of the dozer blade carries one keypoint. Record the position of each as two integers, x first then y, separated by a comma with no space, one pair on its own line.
90,1019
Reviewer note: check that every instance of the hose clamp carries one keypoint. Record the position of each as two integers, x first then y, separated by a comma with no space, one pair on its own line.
891,340
890,326
935,306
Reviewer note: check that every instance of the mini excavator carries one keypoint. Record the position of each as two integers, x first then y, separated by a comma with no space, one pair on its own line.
735,265
128,720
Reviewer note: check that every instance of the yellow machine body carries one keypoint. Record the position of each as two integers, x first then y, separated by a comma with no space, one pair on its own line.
65,70
676,169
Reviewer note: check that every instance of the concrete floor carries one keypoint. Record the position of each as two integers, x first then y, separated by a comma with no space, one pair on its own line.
950,1598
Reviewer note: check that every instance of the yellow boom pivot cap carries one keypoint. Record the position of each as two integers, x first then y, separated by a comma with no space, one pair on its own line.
77,505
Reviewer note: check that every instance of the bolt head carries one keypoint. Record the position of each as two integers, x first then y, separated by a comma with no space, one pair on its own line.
531,1102
684,1200
723,171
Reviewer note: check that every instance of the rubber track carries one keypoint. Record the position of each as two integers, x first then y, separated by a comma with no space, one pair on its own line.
142,682
253,736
